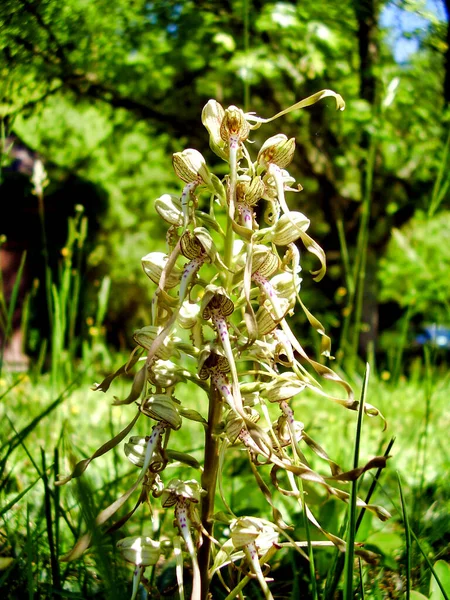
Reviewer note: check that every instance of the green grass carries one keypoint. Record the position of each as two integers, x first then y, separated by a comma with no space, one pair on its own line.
43,434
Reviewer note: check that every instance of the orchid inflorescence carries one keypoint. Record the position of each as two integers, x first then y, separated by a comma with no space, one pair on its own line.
224,289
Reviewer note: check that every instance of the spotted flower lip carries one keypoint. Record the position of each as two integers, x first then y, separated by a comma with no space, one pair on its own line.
153,265
216,298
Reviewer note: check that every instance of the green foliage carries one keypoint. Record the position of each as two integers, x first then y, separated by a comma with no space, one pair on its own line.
414,271
105,89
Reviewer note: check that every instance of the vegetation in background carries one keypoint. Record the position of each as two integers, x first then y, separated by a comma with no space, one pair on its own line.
105,91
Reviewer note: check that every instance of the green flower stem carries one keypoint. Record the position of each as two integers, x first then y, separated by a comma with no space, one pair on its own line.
209,481
162,281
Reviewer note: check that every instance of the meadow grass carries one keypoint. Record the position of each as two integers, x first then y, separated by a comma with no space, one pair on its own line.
42,434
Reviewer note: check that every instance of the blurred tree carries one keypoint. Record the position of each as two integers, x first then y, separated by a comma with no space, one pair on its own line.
111,89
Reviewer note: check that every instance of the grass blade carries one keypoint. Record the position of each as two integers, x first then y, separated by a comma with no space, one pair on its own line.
351,532
407,539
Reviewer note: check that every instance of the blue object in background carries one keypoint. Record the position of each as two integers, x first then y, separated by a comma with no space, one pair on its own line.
436,335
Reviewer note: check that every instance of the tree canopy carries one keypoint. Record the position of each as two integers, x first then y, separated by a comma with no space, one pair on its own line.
108,90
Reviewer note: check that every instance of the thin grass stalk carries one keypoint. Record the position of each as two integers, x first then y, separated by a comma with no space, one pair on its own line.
54,562
361,580
246,17
312,568
16,499
56,500
373,485
57,342
351,532
209,481
48,273
407,539
401,345
30,557
359,274
2,152
3,307
18,438
423,439
349,282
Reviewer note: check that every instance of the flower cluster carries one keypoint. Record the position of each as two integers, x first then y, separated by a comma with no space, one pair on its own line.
224,291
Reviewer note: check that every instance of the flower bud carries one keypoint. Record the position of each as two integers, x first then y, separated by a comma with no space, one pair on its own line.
245,530
188,315
198,244
277,150
234,123
162,408
135,449
190,166
264,261
235,423
168,207
283,387
212,117
140,551
284,286
264,320
153,265
250,191
145,337
165,373
286,229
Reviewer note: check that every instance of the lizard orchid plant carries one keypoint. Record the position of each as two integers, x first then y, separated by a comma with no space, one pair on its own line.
224,291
